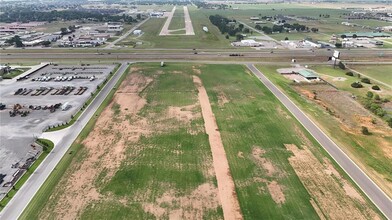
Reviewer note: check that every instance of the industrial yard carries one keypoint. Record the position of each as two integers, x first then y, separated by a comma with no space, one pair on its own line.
38,100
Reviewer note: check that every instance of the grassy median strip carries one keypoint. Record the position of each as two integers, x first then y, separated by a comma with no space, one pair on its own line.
47,147
86,104
43,194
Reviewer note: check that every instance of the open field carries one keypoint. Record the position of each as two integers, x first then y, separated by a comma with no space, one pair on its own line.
277,168
302,14
338,78
341,118
201,39
151,134
164,132
382,73
177,21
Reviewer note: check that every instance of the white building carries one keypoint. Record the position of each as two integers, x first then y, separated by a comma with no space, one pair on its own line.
137,32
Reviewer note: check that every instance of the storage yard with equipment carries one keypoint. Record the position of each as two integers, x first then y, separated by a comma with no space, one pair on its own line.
36,101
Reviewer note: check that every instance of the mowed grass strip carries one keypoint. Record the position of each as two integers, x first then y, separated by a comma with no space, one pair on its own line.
178,20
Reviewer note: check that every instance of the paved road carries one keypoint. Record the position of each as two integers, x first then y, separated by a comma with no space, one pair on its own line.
188,22
189,55
379,198
111,44
16,206
165,29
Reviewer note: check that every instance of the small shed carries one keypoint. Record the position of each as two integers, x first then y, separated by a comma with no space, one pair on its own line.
309,75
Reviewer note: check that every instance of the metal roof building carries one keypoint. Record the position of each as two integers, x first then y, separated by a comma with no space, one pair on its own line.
308,74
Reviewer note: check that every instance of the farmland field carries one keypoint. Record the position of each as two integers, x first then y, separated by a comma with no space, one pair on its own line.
148,154
341,118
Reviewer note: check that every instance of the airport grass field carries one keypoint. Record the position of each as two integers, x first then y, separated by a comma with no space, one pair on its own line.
146,154
201,39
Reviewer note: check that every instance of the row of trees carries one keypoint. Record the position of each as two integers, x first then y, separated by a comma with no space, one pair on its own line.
285,28
30,15
223,25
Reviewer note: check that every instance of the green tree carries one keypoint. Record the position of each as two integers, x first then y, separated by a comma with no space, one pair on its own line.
63,30
375,87
342,66
46,43
389,121
377,97
239,37
365,80
369,94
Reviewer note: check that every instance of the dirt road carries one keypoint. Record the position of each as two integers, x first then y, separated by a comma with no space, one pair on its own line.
226,187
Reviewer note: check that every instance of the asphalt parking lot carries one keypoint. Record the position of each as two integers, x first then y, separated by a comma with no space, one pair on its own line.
53,84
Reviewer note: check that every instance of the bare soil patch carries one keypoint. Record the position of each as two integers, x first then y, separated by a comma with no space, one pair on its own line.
105,149
222,99
267,166
184,114
227,193
192,206
276,192
335,197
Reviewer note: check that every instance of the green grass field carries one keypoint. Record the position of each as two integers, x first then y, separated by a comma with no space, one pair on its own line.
253,118
326,26
152,28
170,163
382,73
174,159
365,150
178,20
14,73
345,85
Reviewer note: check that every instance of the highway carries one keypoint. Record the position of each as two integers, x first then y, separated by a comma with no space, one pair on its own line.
321,54
24,195
375,194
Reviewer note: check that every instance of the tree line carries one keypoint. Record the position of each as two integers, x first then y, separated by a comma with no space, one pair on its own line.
30,15
286,27
224,25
